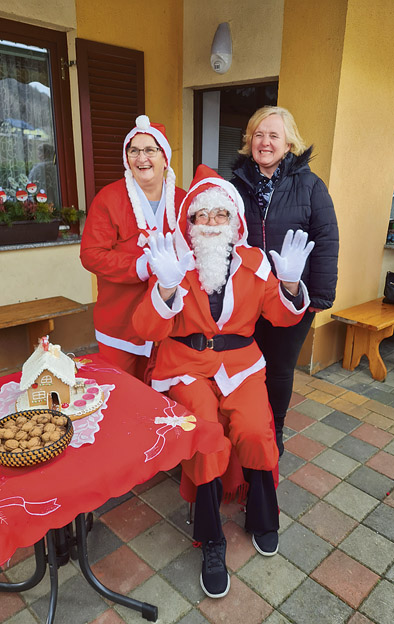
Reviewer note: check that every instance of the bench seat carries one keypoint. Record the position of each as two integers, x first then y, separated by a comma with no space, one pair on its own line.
38,315
367,325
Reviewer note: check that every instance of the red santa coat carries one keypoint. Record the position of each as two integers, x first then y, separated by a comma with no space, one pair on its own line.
229,381
110,250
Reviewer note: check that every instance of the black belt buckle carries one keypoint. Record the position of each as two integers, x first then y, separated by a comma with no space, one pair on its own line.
198,342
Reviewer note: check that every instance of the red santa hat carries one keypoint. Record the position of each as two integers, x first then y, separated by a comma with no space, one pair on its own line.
158,132
207,179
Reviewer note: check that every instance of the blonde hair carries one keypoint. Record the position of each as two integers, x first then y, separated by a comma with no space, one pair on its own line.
297,145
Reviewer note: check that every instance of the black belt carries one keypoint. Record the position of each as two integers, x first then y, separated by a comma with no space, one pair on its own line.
220,342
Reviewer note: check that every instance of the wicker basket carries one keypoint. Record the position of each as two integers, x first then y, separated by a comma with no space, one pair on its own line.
31,457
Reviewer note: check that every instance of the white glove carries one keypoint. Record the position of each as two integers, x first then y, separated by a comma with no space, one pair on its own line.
290,263
163,261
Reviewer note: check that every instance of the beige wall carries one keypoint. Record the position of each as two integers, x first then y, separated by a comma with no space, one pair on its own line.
256,29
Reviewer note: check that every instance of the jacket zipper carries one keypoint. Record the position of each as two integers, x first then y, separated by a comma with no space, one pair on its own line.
264,220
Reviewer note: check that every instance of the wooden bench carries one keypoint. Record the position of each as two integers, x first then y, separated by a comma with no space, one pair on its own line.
38,315
367,325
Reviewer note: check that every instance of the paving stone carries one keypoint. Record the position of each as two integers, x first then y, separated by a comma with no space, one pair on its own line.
193,617
379,604
263,573
314,479
338,464
324,434
26,569
332,376
130,518
148,485
370,548
23,617
112,503
390,448
297,421
294,500
159,545
384,463
284,522
122,570
354,448
359,618
101,541
311,603
351,501
164,498
303,446
313,409
289,463
240,603
373,435
379,395
10,602
288,433
346,578
371,482
108,617
341,421
156,591
382,521
354,386
302,547
239,545
328,522
390,573
183,573
77,603
276,618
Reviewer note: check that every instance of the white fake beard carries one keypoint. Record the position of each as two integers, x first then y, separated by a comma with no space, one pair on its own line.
212,254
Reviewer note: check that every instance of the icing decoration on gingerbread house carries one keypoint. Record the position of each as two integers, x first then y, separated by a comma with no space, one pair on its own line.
48,380
48,376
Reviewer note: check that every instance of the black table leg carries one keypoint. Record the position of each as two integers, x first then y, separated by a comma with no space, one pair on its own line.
41,564
148,611
53,566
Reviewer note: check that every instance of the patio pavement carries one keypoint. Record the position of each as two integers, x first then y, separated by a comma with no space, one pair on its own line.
336,549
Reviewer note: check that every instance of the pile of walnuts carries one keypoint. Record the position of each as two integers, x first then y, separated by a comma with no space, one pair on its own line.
28,434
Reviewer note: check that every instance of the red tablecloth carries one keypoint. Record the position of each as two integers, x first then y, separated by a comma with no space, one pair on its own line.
51,494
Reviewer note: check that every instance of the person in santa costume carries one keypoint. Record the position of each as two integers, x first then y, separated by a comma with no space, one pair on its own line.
204,298
121,218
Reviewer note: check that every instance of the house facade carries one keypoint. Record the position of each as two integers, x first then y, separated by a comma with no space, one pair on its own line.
327,62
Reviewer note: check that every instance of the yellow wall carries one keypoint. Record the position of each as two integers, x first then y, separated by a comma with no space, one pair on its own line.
256,30
155,27
57,14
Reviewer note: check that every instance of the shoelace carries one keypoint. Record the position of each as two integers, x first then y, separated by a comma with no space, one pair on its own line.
214,555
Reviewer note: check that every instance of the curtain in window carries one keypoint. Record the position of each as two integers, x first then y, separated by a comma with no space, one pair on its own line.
27,139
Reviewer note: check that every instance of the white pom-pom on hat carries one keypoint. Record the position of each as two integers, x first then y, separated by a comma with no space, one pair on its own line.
142,122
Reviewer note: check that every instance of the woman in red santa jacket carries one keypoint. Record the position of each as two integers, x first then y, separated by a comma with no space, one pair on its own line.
120,220
202,305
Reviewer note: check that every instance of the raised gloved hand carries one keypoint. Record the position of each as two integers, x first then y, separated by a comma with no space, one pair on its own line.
290,263
164,263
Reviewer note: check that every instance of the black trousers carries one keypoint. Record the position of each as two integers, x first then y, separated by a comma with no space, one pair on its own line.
261,508
281,347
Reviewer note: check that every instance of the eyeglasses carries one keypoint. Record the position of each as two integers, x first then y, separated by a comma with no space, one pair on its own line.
150,151
219,215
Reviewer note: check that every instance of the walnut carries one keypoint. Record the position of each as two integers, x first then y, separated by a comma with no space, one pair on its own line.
35,447
43,419
50,427
8,434
9,424
21,435
21,420
59,420
2,433
36,431
33,442
11,444
55,436
17,450
23,444
45,437
27,426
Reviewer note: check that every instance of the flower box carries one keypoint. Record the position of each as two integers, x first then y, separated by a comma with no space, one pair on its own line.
24,232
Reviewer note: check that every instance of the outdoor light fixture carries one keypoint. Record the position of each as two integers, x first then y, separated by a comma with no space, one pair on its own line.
222,49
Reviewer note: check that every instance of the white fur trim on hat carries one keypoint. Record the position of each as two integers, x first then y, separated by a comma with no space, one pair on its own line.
214,197
143,126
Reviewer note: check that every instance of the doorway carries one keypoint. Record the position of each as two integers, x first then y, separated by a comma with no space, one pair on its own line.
220,119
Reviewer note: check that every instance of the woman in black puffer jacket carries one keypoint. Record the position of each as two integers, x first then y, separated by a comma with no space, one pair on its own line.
280,193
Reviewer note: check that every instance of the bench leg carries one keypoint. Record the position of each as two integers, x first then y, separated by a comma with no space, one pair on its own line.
37,330
361,341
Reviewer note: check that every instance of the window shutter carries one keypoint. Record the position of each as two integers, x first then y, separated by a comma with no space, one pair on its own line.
111,92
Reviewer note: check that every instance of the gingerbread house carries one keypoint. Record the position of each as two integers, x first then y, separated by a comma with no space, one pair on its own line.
48,376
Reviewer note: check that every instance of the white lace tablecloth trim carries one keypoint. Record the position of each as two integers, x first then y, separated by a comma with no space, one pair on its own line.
84,429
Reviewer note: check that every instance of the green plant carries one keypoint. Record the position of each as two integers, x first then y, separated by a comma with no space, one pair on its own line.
70,214
28,210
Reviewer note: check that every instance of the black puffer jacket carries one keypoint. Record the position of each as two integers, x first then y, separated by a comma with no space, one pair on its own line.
300,201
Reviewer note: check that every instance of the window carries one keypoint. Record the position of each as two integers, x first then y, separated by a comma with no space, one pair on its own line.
35,116
46,380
